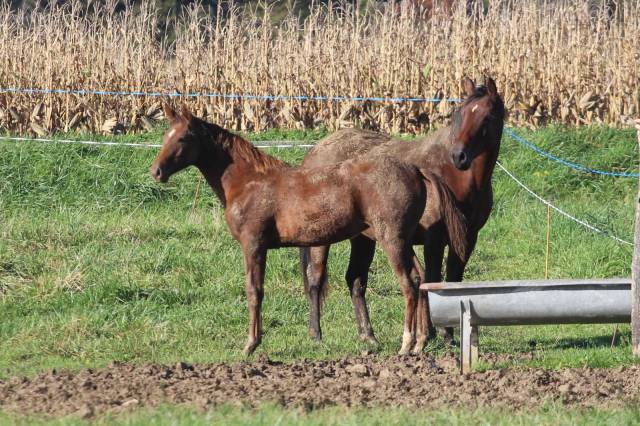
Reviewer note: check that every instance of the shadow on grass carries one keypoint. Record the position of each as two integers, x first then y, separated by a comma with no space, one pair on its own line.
602,341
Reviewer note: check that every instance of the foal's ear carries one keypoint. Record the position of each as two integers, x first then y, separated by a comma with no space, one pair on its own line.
469,86
491,87
169,113
186,114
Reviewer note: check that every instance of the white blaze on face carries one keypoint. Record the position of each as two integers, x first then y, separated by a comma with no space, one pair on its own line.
475,107
171,133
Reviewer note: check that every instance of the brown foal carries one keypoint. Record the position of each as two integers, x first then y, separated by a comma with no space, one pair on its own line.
269,205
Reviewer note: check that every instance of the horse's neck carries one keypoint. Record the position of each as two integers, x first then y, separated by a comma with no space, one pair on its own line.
235,163
467,184
482,168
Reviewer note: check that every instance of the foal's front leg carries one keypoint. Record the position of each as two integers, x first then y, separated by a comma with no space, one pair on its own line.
254,260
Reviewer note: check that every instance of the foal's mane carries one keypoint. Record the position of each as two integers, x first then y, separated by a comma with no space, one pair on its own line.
238,147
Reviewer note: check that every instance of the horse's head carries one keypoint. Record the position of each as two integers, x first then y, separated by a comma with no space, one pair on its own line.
181,147
477,124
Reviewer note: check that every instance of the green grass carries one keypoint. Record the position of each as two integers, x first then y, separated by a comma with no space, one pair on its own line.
100,263
270,415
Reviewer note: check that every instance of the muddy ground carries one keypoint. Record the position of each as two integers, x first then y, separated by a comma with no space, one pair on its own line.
361,381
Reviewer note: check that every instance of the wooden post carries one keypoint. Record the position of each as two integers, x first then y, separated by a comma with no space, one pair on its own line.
635,274
196,195
546,254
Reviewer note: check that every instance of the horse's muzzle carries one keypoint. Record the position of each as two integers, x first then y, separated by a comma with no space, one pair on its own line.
461,159
159,174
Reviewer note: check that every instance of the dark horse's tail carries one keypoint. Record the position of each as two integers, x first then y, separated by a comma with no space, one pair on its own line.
323,287
453,218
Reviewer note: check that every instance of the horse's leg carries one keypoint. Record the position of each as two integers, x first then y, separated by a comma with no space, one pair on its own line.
433,257
434,244
314,271
362,252
455,271
255,261
400,254
423,323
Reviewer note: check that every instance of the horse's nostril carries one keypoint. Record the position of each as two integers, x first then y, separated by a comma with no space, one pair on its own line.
462,157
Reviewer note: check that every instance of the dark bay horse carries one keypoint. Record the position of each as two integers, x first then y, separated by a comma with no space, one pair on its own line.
463,154
269,205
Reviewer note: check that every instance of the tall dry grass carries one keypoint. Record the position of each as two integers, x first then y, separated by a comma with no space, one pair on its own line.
556,61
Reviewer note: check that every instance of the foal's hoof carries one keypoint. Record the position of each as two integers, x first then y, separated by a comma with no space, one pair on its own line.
315,335
250,347
404,351
370,339
419,347
448,337
432,333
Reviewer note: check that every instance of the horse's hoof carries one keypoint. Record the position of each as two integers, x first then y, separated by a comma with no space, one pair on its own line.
448,336
404,351
250,347
315,335
418,348
448,340
370,339
432,333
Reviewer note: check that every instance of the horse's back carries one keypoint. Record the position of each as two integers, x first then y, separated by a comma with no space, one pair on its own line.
342,145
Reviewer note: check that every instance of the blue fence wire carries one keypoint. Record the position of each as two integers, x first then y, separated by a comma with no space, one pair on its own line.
575,166
507,130
225,95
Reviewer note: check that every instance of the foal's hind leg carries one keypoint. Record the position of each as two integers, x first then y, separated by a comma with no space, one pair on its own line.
314,272
400,254
362,252
423,322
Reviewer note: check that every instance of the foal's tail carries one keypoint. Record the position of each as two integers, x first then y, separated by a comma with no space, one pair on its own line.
305,259
454,220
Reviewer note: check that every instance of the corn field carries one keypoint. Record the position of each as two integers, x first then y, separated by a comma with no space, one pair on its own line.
574,62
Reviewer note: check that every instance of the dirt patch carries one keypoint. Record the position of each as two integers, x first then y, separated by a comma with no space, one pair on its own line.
365,381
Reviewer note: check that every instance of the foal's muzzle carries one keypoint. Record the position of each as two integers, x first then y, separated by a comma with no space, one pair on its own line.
461,159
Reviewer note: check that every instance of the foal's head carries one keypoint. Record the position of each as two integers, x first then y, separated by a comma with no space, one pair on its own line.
477,124
181,146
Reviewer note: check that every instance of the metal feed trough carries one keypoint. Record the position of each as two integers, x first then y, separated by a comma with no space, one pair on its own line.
472,304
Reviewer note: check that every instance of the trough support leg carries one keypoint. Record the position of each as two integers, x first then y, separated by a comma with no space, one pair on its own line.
474,345
468,340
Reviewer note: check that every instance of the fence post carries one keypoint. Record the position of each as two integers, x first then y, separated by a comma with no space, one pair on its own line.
635,273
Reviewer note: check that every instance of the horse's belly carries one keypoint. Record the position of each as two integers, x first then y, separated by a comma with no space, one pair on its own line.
318,227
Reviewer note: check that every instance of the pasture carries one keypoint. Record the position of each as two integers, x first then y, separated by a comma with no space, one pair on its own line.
98,263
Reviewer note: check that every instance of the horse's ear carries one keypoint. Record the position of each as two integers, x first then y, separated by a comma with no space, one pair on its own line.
186,114
491,87
169,113
469,86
